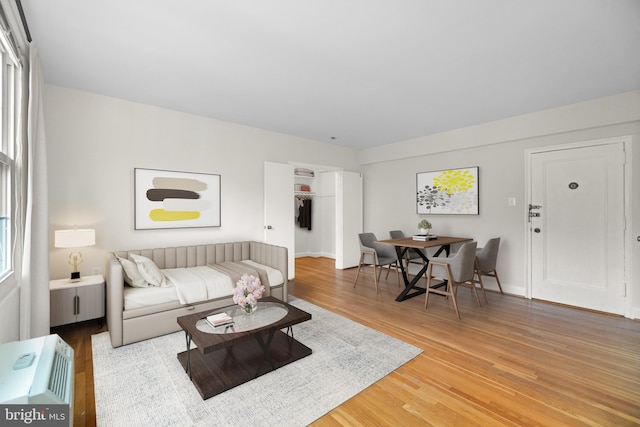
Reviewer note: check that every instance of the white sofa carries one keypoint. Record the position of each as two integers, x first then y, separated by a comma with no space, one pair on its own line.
128,326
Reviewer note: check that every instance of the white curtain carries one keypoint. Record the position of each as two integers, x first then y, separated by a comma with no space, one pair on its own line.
35,259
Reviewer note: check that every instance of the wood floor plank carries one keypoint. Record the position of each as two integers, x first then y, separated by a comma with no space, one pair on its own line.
511,362
78,336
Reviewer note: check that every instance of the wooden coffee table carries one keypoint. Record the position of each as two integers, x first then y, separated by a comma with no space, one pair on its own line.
229,356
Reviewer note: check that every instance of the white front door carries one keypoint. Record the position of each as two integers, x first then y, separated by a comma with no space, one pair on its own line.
577,241
279,219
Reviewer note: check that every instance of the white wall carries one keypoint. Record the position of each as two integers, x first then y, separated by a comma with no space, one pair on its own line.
634,226
390,175
326,244
9,311
95,142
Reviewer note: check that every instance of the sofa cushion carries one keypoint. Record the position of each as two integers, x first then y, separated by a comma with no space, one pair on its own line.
149,270
132,275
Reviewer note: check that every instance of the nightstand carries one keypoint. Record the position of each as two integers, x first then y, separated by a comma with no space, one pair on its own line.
76,302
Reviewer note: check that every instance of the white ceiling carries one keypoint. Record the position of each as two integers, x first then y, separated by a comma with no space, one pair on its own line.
367,72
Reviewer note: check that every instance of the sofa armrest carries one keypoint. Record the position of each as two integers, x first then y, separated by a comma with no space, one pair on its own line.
114,277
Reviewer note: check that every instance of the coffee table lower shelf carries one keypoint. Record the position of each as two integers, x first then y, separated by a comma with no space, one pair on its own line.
226,368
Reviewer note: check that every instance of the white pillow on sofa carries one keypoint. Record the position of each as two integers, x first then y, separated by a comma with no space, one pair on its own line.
149,270
131,274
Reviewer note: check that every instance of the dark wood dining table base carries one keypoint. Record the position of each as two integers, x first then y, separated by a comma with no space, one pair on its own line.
411,289
224,369
402,245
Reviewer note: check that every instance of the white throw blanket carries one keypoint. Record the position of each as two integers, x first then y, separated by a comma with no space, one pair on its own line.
197,284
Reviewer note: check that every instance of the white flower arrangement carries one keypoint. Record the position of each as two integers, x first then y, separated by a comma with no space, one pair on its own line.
247,292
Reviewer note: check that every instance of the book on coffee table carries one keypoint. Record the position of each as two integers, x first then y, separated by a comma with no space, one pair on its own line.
220,319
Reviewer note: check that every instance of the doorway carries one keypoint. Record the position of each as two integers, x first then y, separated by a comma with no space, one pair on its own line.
339,203
576,225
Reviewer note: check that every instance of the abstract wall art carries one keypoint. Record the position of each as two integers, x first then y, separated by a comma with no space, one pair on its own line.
451,191
170,199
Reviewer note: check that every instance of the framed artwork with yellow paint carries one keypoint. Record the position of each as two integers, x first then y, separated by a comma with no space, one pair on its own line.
171,199
450,191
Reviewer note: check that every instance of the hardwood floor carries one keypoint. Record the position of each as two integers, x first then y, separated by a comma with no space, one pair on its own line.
78,336
511,362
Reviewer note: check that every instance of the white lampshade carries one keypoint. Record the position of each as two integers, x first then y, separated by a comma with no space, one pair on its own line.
76,238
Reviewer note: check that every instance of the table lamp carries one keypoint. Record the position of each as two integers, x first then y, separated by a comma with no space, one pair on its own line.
76,238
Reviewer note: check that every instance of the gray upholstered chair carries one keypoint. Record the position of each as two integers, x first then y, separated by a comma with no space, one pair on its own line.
376,256
485,264
411,257
396,234
458,270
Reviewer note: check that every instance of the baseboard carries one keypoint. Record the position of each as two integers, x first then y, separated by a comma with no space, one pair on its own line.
315,255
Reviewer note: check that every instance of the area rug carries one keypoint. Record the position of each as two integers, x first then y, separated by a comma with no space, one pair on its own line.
143,384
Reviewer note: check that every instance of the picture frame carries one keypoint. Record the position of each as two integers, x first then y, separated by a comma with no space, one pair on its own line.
173,199
448,191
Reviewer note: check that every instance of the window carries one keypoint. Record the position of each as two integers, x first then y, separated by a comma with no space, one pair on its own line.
5,218
8,191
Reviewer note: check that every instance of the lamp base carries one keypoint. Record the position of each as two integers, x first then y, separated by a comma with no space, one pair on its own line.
75,277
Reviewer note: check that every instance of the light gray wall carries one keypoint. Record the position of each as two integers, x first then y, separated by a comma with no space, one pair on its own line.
95,142
9,311
634,226
390,177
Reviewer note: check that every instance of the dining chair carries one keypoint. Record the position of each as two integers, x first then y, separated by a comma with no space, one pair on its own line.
410,257
457,270
485,264
377,256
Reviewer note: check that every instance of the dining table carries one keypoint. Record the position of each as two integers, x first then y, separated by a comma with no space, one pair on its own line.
418,245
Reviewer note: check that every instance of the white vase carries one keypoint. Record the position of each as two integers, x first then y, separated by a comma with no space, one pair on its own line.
424,231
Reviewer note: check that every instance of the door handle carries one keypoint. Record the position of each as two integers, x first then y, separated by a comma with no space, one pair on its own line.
268,227
536,230
533,214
